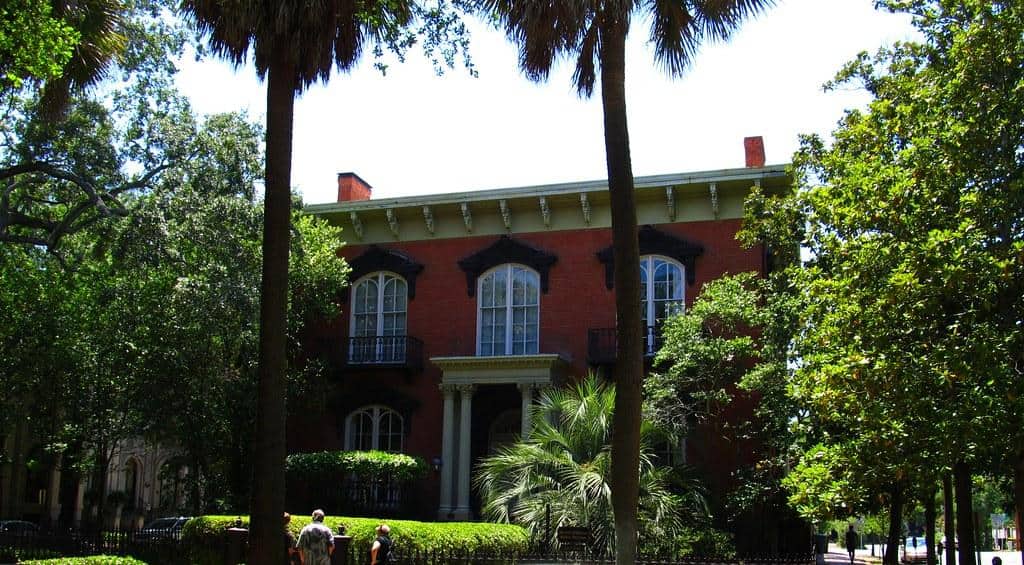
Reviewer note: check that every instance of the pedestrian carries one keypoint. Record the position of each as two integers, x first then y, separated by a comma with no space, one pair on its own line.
316,542
381,552
291,555
851,542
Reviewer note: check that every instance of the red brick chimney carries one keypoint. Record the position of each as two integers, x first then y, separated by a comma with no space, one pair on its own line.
351,187
754,148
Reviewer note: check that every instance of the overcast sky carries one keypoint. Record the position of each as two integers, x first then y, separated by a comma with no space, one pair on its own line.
411,132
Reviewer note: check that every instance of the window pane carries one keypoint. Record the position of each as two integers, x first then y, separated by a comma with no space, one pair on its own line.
487,291
366,297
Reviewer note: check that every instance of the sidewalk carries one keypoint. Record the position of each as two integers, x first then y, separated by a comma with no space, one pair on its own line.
838,556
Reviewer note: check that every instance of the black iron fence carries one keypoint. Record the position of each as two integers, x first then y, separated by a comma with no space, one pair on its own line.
155,548
167,548
601,344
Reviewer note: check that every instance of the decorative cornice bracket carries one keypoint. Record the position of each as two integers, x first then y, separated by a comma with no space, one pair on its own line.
467,217
392,221
670,201
545,212
585,207
506,214
428,219
713,190
357,224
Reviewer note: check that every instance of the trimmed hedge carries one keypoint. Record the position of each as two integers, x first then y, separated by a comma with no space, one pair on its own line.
206,536
370,464
93,560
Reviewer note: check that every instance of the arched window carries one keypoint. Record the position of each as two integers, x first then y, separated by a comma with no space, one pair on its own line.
132,470
508,320
661,295
374,427
379,303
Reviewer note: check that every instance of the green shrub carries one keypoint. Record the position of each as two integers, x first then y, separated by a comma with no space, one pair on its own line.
331,465
206,536
93,560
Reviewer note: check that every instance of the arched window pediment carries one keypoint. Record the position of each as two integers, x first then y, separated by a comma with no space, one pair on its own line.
378,258
656,242
506,250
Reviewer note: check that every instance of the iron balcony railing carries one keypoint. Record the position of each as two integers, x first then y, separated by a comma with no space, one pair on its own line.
601,344
398,351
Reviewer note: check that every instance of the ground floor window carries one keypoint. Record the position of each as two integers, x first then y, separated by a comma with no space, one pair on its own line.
374,428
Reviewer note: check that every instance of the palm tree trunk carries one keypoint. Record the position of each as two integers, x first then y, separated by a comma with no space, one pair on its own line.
965,510
948,518
266,543
625,480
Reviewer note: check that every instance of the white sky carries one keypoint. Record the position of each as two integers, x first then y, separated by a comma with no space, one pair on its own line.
411,132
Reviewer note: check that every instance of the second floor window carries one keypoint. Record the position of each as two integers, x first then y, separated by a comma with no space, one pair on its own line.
379,304
509,311
661,295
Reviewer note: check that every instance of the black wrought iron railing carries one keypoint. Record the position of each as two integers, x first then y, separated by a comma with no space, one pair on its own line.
601,344
375,351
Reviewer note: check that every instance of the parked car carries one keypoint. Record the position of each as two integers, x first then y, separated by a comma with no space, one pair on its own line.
18,527
163,528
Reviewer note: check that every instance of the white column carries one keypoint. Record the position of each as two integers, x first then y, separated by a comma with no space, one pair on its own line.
526,389
447,452
462,511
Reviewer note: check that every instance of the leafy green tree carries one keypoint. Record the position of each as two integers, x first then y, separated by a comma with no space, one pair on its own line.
293,45
912,341
63,175
34,45
594,35
706,352
561,475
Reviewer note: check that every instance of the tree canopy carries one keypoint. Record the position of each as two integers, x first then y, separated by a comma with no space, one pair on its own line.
910,346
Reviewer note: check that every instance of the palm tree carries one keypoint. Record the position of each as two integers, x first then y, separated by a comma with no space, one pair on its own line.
559,477
294,43
99,24
594,33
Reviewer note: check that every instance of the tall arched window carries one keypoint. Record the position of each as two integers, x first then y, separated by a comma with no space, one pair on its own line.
379,303
661,295
508,319
374,427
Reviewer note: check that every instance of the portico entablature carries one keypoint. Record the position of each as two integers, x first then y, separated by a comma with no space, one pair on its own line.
543,369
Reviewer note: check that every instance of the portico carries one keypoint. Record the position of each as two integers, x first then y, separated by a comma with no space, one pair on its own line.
461,377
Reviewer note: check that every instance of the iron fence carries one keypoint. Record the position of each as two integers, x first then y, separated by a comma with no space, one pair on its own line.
160,548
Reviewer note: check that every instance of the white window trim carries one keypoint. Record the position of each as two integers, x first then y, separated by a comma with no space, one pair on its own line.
379,276
649,302
376,411
508,306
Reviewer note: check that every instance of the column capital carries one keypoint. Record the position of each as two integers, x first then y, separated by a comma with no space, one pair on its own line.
466,388
528,387
447,388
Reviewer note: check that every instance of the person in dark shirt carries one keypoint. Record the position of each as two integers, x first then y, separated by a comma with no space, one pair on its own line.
291,555
380,553
851,542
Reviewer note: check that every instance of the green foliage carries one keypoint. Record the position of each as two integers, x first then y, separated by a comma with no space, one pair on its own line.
706,352
911,340
34,44
206,535
563,470
330,465
819,487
